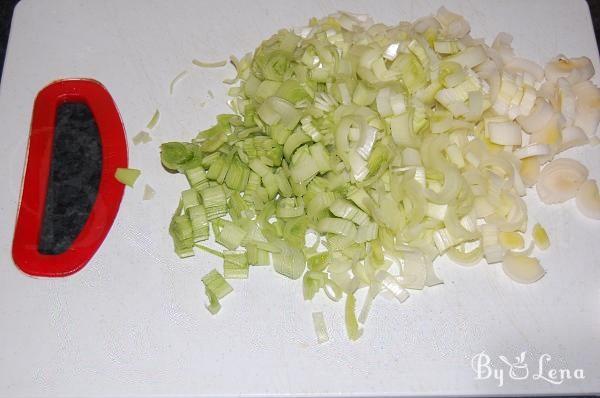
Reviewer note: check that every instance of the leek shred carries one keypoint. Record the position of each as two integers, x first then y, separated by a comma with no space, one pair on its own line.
203,64
154,120
176,80
320,327
143,137
352,328
393,146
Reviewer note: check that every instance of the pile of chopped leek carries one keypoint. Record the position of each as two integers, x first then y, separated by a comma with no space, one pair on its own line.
357,153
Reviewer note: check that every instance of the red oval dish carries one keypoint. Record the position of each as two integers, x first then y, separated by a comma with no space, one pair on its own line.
35,183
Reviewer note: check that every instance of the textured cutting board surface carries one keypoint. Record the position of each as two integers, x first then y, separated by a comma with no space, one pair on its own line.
133,323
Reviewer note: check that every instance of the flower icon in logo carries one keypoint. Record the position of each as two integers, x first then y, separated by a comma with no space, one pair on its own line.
519,369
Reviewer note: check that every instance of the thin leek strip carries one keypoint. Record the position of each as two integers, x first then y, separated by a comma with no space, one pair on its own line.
320,327
149,192
154,120
209,250
203,64
176,80
366,309
352,328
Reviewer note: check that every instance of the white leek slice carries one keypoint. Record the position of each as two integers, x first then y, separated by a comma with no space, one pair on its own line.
540,237
533,150
504,133
490,241
540,115
566,99
454,26
461,255
560,180
204,64
530,170
511,240
517,64
573,136
522,269
392,285
414,271
573,69
588,199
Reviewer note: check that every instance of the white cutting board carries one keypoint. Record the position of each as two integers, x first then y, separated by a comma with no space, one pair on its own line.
133,323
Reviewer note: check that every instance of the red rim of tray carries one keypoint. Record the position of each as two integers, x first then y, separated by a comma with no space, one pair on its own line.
35,183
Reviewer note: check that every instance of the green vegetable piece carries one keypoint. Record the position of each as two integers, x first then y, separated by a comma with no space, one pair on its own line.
127,176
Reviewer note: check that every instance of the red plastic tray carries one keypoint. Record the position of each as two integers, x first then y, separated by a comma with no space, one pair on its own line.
110,192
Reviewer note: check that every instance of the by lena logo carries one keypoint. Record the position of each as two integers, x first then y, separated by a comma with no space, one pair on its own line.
519,369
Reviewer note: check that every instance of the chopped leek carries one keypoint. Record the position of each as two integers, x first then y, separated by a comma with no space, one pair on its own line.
154,120
204,64
149,192
235,264
142,137
352,328
540,237
393,145
216,288
320,327
127,176
176,80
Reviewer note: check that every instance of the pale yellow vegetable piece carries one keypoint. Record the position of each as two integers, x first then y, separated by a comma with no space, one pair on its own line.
141,138
521,268
540,237
588,199
530,170
511,240
149,192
